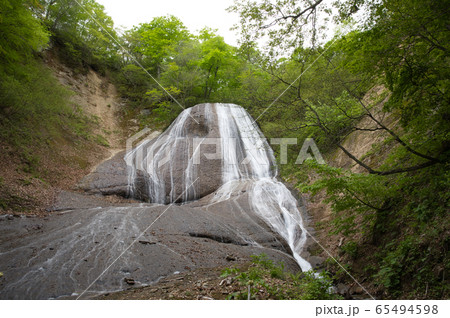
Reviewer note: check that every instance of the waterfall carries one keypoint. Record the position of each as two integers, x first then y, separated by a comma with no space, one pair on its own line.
247,165
149,155
270,198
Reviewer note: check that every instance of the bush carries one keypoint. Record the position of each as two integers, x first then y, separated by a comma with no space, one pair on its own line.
266,280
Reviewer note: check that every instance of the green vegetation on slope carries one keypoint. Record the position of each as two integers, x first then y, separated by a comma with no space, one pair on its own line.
37,117
395,214
34,106
265,280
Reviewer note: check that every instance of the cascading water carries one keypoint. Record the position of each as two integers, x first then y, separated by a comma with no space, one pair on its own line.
247,165
146,158
268,197
154,160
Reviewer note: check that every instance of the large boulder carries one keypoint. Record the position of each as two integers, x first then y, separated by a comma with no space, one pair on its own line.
173,167
164,169
205,147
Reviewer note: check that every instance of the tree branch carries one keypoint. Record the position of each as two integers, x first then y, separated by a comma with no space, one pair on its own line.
294,17
391,132
365,203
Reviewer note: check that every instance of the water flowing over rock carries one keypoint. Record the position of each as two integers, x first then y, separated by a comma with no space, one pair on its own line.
213,161
205,147
165,170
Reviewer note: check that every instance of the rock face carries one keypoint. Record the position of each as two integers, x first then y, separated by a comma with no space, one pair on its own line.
163,170
207,146
214,160
109,178
63,255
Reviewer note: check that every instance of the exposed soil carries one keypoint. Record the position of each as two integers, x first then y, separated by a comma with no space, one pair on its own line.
97,97
360,144
30,185
199,284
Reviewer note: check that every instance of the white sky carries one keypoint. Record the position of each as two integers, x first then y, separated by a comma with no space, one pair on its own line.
195,14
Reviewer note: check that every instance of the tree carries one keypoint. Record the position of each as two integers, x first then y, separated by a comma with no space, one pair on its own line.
185,73
286,24
410,58
221,64
400,202
158,40
21,33
83,30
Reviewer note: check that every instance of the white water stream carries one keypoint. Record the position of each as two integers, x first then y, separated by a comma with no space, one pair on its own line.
268,197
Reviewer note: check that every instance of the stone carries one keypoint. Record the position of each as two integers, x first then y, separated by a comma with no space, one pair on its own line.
146,242
230,258
342,289
172,154
129,281
316,261
109,178
75,232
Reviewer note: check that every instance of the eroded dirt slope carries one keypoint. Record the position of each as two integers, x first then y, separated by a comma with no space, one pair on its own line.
29,183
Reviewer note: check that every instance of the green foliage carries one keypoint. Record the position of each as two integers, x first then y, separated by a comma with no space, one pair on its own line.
403,216
81,40
35,108
220,65
29,98
265,280
156,41
21,33
163,106
285,24
351,248
408,259
401,46
411,59
193,69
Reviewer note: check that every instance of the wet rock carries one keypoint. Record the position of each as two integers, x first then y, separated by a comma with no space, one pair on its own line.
316,261
75,232
109,178
70,200
146,242
167,158
34,227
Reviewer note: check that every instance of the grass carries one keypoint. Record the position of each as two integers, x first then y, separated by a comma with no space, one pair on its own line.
265,280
